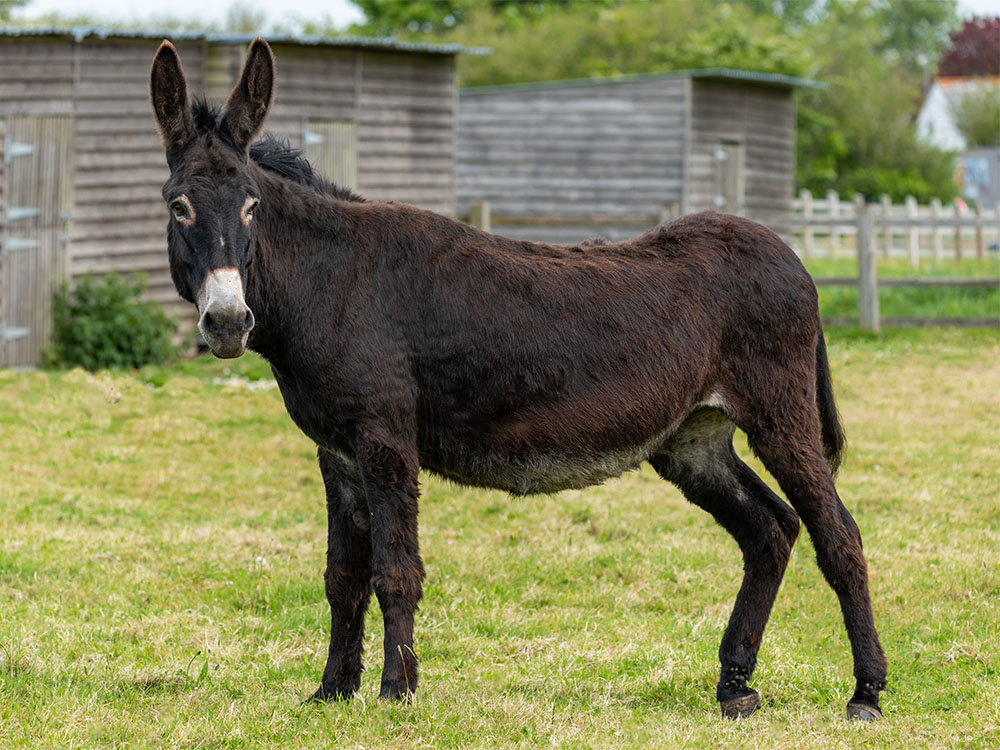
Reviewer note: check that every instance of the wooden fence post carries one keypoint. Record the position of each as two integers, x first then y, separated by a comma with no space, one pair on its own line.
958,232
867,282
914,238
888,233
980,245
479,215
938,234
808,234
833,203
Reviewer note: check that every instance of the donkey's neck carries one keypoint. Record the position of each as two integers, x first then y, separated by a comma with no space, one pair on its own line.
302,260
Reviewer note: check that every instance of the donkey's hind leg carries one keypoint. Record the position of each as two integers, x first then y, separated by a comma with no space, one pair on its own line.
791,450
700,460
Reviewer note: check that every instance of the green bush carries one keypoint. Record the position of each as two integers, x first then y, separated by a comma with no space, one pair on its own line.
103,323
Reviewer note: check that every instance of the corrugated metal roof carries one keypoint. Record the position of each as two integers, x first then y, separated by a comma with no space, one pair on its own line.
79,33
765,79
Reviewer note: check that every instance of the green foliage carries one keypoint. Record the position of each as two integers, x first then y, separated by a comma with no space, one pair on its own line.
6,6
977,115
859,135
386,17
579,40
104,324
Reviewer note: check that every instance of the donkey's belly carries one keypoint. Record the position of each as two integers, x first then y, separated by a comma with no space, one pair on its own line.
543,472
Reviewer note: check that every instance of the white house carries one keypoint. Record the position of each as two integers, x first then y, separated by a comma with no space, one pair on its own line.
936,121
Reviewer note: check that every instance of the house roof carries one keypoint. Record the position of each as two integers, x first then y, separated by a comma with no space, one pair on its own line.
80,33
954,87
726,74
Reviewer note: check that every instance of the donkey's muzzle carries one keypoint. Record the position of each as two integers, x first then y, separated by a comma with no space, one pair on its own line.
226,321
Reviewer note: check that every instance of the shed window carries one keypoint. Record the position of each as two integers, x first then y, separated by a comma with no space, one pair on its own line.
729,159
331,147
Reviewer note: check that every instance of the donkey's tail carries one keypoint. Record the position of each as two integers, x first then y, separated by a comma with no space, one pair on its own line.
834,439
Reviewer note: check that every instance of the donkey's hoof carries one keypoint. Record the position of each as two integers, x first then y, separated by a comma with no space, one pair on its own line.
861,712
740,707
394,690
330,695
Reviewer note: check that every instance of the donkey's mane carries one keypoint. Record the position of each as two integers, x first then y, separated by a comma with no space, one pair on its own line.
275,155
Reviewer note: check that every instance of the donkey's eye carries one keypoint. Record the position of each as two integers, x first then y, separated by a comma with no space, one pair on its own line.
178,209
251,208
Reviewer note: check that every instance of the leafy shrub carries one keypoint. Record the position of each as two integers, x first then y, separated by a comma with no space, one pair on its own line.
104,323
977,115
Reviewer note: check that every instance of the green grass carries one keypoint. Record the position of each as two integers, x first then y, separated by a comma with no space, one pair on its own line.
935,302
161,553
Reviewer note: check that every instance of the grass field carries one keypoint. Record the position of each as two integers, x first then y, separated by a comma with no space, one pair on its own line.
161,553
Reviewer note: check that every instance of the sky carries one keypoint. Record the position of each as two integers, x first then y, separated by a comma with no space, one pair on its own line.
340,12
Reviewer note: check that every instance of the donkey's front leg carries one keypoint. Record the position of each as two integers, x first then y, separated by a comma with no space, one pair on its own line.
348,576
390,476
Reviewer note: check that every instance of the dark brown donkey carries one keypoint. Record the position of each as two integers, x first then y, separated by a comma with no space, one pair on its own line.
402,339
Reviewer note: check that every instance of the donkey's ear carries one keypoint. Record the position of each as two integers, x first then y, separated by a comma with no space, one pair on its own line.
168,92
245,111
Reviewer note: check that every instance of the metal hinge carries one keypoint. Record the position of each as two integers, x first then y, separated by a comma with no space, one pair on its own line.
11,333
15,213
10,244
13,149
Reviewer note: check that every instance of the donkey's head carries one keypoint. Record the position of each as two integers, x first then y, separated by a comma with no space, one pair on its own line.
211,194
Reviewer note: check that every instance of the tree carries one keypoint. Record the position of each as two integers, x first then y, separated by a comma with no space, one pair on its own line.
974,49
859,135
977,115
6,6
386,17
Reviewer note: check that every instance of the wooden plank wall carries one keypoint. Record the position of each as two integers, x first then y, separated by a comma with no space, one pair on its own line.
760,117
403,105
119,218
311,82
406,128
609,148
36,76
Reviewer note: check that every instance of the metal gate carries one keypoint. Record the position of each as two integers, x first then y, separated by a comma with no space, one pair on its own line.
34,217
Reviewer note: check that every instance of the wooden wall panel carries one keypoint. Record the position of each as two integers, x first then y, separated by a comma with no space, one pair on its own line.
406,129
607,148
761,118
119,218
36,76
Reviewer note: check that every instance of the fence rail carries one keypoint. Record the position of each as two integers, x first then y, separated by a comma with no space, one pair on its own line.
818,227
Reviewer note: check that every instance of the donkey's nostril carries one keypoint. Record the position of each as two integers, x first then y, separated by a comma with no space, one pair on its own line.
248,320
208,322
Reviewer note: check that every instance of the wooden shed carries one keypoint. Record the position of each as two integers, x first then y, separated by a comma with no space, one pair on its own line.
561,161
81,165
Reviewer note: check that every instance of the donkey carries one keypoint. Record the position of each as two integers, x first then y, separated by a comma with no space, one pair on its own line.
401,339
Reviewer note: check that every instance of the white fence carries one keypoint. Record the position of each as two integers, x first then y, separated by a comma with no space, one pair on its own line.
828,227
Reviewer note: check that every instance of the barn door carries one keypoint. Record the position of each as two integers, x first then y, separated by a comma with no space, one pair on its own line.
331,148
34,213
729,158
